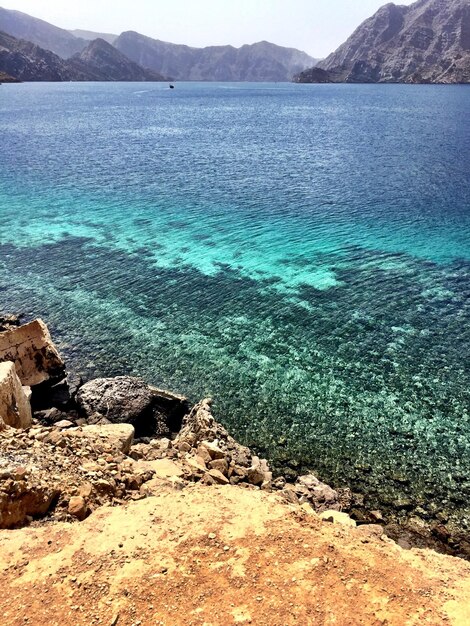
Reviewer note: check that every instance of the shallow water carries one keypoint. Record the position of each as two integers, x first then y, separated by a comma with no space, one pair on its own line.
299,252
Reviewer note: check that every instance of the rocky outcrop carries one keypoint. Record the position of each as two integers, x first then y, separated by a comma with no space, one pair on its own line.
212,455
125,399
313,75
31,348
65,471
9,321
106,63
6,78
320,496
200,427
15,409
426,42
261,61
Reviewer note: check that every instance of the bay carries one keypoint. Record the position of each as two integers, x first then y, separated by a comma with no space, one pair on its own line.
299,252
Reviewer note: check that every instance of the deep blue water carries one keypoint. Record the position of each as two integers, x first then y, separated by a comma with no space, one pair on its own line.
299,252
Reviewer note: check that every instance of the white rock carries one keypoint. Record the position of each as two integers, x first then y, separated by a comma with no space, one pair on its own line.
31,349
15,409
336,517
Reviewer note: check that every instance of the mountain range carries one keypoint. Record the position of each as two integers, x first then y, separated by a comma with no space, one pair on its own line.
425,42
32,49
261,61
45,35
99,61
27,61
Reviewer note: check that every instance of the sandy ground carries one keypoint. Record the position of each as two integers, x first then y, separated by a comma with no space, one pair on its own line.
221,556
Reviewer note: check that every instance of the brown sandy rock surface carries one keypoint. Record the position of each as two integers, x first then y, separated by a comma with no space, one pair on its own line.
220,556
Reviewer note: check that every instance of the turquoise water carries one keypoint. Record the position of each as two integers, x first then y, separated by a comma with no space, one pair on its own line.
299,252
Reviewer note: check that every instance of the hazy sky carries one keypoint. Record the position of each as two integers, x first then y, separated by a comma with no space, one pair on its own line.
316,26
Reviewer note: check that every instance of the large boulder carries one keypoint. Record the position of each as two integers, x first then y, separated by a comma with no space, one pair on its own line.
31,349
125,399
121,400
15,409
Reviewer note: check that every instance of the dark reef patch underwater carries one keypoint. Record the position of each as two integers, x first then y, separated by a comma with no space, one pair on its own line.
300,253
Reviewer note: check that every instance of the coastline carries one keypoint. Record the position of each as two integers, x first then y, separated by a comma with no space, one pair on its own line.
181,524
58,403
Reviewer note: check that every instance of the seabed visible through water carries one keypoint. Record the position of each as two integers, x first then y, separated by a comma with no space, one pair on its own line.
300,253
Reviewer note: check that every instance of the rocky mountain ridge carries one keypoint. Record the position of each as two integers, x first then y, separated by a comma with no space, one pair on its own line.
106,63
425,42
45,35
261,61
6,78
26,61
99,61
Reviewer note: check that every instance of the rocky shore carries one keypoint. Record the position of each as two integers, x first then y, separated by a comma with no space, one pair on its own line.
177,522
111,440
72,437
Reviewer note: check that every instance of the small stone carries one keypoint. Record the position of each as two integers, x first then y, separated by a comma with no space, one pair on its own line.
64,424
203,453
85,490
196,468
255,476
219,464
288,495
201,462
218,477
337,517
213,449
77,507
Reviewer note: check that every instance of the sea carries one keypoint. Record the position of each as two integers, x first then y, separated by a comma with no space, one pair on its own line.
300,253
